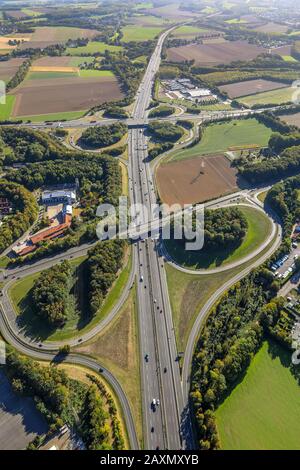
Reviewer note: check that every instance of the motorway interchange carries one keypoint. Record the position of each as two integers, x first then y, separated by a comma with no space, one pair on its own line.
166,417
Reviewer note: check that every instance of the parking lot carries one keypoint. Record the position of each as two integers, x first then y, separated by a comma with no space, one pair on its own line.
20,422
284,266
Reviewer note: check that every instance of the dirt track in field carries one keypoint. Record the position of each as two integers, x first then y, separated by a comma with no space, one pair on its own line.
196,179
207,54
47,96
250,87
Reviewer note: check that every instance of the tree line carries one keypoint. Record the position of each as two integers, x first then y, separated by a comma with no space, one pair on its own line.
103,263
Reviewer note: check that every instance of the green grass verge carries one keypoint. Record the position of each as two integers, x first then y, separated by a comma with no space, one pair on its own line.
263,411
75,326
92,47
259,227
68,115
117,348
6,109
217,138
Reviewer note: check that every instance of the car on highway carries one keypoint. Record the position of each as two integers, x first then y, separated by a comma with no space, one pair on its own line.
147,357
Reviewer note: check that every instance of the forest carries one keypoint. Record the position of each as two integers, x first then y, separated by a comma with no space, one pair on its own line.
24,213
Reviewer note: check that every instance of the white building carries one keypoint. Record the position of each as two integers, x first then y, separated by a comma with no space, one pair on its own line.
199,92
59,196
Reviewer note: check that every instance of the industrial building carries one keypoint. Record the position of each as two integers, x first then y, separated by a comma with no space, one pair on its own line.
59,196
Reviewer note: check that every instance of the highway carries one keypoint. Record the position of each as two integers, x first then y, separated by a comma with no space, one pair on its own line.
159,366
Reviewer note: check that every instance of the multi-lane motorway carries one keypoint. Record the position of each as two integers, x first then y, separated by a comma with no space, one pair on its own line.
159,366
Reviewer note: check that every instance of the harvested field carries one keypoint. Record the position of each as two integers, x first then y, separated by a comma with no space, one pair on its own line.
16,14
216,53
4,42
196,179
250,87
48,36
291,119
61,62
9,67
272,28
45,96
282,51
172,12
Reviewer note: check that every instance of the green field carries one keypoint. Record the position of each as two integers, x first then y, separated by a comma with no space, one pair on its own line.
235,21
289,58
263,411
281,96
6,109
68,115
217,138
140,33
95,73
50,75
188,32
76,324
93,47
77,61
258,230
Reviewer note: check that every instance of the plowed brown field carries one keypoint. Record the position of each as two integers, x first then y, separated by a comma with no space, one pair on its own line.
47,96
207,54
8,68
251,87
196,179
